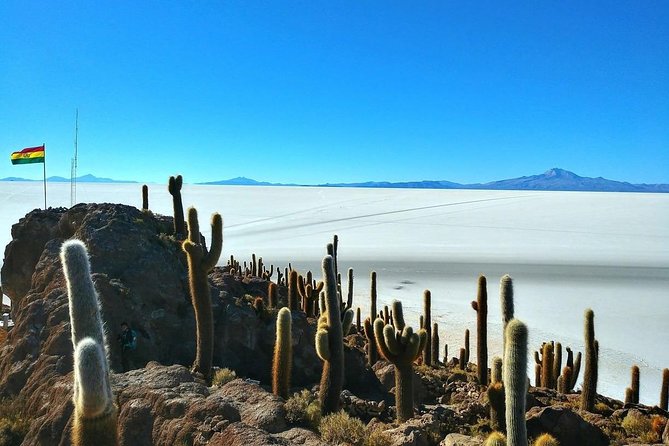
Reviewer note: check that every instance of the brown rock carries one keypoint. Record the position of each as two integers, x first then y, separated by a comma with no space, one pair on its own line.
565,425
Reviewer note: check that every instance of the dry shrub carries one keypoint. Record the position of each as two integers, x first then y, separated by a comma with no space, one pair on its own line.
340,428
377,437
638,425
223,376
14,424
303,409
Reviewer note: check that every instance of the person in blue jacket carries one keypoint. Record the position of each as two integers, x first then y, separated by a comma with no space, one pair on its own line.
128,341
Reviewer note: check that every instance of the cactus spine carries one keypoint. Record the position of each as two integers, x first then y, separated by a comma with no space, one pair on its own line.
145,197
174,188
664,391
399,345
330,342
515,382
480,305
283,354
427,323
94,411
200,262
506,299
591,357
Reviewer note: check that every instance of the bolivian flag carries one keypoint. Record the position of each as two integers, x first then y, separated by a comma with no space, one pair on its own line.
29,155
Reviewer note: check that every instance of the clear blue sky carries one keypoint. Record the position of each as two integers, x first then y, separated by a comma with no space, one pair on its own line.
313,92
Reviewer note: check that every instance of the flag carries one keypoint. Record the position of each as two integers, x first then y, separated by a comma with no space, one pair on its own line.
29,155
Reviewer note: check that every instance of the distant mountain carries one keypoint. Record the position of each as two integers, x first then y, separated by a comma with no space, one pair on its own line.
564,180
243,181
82,179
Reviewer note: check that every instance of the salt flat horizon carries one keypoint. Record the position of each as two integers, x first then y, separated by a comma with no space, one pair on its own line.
566,251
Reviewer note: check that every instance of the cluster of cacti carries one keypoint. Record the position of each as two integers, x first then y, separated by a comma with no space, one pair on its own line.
514,375
399,345
200,262
245,271
283,354
589,391
145,197
632,392
330,340
496,397
308,291
95,414
480,305
549,371
174,188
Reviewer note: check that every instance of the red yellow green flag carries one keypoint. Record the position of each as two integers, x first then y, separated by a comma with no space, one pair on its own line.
29,155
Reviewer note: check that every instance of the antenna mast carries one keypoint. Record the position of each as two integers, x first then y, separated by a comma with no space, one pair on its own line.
73,170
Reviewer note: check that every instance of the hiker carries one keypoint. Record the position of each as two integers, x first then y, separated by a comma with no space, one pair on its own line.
128,341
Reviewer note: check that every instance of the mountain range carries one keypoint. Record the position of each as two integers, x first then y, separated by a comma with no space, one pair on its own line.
554,179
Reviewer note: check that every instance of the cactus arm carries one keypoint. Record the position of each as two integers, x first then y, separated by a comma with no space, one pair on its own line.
216,248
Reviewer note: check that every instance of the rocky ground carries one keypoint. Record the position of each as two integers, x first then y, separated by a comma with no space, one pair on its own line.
140,273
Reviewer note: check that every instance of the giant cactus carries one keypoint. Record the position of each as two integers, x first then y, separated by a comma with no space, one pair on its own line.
496,396
664,391
94,411
427,323
635,384
515,382
399,345
330,340
283,354
591,363
174,188
145,197
506,299
480,305
200,262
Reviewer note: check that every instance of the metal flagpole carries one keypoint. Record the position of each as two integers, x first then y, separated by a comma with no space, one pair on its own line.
44,165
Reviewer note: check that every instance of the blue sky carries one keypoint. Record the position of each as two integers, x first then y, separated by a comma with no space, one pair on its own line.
315,92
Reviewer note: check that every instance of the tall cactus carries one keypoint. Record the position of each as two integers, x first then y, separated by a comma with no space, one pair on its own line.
427,323
547,366
435,344
372,354
480,305
200,262
664,391
330,341
292,290
467,350
496,397
145,197
283,354
506,299
400,346
635,384
174,188
591,359
95,414
515,382
557,364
